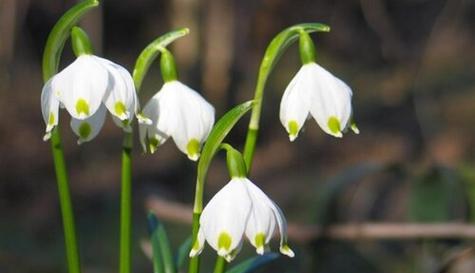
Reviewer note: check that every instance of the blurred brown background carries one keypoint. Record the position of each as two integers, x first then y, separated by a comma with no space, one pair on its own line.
411,64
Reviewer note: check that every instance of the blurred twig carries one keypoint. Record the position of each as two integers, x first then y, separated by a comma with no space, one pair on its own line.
176,212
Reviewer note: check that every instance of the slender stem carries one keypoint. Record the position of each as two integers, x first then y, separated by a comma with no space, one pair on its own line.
67,214
194,266
126,206
220,265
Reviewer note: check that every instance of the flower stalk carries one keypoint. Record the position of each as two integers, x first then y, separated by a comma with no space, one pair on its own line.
125,255
273,52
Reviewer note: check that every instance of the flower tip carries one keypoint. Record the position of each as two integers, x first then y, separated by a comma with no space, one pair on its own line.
355,129
260,250
285,249
143,119
47,136
80,141
338,135
193,253
222,252
292,138
193,157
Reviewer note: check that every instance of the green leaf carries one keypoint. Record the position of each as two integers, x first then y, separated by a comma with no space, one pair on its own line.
182,253
254,263
162,254
433,195
59,34
215,138
150,53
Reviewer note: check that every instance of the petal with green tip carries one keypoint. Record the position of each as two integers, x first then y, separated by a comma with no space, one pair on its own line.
88,129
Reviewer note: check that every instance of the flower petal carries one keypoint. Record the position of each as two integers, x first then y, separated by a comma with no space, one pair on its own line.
150,134
81,86
295,103
193,117
261,224
198,245
49,108
87,129
224,218
120,95
331,103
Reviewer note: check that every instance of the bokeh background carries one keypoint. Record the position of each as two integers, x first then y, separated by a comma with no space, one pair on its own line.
411,64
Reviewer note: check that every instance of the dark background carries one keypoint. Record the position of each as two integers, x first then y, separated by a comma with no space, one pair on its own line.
410,63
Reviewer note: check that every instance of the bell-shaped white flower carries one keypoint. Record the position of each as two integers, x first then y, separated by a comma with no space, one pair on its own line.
224,220
315,91
240,208
180,112
83,87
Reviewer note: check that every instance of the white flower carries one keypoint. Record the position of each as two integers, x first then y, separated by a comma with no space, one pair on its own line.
315,91
180,112
240,208
86,88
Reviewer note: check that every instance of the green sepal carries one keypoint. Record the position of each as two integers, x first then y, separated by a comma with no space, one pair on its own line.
59,34
150,53
168,66
306,48
80,42
234,161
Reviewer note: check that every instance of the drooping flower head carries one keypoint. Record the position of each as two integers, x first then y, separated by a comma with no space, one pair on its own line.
240,208
87,88
316,92
176,111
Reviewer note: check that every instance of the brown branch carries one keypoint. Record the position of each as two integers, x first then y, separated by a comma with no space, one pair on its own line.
177,212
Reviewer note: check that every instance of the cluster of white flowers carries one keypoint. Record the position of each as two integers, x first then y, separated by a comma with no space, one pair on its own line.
91,85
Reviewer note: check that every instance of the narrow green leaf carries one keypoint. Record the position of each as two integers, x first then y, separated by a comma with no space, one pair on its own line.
252,264
215,138
162,254
150,53
182,253
59,34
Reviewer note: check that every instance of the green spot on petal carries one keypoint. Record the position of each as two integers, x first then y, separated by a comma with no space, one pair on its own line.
193,149
354,128
224,241
293,129
119,108
84,130
153,143
259,242
82,107
51,119
334,125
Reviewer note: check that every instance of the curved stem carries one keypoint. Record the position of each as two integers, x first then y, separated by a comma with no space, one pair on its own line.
220,265
276,48
67,214
126,206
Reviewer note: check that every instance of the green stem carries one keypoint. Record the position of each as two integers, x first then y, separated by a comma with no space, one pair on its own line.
194,266
276,48
67,214
220,265
126,206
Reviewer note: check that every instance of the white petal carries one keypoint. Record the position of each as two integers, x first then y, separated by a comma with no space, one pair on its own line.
120,95
331,100
198,245
89,128
295,104
261,224
226,214
81,86
150,135
282,224
49,108
194,118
